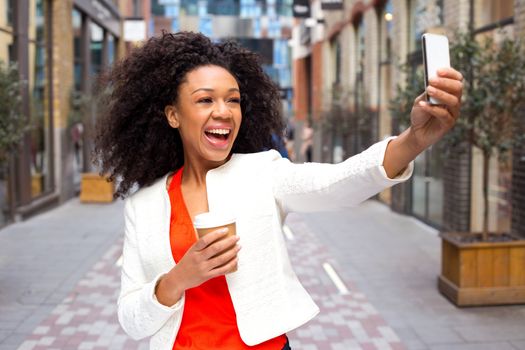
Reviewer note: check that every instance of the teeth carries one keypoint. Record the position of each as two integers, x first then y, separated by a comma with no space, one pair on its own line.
218,131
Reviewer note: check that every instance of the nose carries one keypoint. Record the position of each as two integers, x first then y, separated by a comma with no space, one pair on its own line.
222,110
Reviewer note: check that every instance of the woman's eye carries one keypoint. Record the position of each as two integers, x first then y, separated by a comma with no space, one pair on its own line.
205,100
235,100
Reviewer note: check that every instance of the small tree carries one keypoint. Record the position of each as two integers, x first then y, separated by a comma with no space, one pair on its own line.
493,95
401,104
494,90
13,125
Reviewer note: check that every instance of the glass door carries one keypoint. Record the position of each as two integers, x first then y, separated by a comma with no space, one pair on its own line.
427,186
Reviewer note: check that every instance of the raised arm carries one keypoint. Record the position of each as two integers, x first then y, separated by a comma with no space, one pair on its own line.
428,123
317,187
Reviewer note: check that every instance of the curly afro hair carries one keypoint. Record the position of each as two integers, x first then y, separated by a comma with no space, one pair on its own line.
134,142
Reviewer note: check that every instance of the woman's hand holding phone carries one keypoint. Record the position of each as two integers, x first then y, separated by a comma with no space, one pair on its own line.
435,112
428,122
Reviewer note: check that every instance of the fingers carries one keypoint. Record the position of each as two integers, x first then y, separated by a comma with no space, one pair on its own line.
441,113
450,73
450,81
451,86
421,97
209,238
230,266
220,246
448,99
448,89
224,258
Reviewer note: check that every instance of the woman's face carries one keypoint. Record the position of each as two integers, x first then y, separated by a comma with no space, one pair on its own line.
207,114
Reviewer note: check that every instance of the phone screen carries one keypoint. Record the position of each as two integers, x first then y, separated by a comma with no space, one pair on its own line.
435,55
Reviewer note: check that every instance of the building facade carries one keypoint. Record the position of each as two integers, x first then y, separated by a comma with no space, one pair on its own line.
263,26
59,47
346,74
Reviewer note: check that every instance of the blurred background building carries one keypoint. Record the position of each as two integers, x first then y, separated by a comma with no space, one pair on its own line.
347,57
337,63
59,47
263,26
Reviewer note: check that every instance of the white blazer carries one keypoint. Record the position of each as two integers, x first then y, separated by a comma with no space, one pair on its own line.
260,189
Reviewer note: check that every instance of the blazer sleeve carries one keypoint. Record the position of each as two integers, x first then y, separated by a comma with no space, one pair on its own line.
139,312
312,187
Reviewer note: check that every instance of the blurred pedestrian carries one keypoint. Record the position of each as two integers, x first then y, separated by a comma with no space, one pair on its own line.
279,145
187,121
289,139
307,141
76,133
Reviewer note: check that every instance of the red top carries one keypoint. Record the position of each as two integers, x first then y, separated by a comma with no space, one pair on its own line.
208,320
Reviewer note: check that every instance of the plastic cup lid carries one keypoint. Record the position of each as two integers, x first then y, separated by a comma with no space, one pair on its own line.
210,219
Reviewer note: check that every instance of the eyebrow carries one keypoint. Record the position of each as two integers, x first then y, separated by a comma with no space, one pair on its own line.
211,90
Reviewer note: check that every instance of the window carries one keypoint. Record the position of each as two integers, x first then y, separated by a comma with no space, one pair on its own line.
189,7
40,166
224,7
386,18
9,8
157,9
361,30
488,12
77,49
252,8
338,63
111,49
284,7
6,55
6,30
95,48
425,15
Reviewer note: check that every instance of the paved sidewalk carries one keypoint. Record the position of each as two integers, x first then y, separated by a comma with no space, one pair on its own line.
42,260
85,316
395,260
347,320
59,280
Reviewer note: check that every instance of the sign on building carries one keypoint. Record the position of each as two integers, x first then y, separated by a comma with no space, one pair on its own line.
301,8
134,29
331,4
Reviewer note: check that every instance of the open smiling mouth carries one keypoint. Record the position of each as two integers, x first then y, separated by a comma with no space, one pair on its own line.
217,136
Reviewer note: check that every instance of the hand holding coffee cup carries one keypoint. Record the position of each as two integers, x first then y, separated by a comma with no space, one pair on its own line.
214,254
206,223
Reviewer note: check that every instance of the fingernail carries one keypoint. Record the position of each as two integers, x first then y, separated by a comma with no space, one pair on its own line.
223,230
431,90
433,80
422,103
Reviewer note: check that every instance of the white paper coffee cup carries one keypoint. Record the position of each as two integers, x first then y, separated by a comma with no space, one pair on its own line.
207,222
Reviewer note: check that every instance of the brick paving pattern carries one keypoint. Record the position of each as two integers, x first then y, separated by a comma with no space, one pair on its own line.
87,319
346,321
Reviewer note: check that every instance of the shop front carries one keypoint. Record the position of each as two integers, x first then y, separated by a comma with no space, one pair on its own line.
58,47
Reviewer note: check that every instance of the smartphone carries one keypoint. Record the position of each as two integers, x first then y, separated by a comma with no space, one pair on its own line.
435,55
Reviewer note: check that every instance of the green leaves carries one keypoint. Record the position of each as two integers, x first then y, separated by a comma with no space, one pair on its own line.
13,125
401,105
494,90
79,107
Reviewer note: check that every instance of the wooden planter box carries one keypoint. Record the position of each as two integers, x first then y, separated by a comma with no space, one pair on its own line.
96,189
482,273
36,185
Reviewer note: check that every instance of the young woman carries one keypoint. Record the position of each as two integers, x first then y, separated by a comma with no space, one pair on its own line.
189,122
